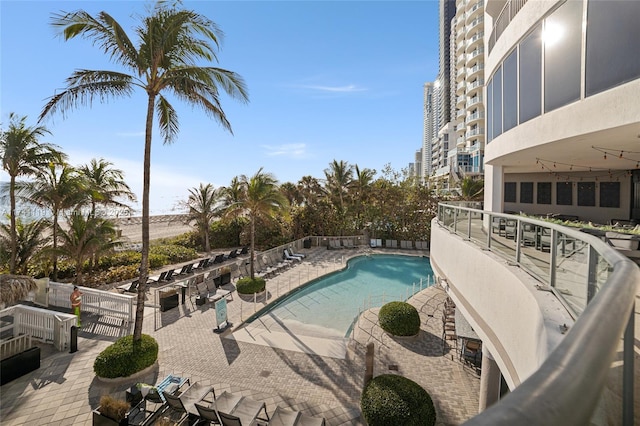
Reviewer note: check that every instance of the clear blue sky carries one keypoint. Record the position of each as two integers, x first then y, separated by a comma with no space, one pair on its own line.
327,80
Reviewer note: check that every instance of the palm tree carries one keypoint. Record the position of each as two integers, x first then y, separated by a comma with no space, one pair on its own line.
83,238
310,190
471,189
58,188
30,239
22,155
260,199
339,177
105,184
205,203
172,44
361,192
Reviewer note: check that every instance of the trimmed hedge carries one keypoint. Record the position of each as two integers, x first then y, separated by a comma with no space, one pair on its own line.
395,400
250,286
399,319
122,359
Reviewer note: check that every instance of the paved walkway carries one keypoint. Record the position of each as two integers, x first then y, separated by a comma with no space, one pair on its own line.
64,390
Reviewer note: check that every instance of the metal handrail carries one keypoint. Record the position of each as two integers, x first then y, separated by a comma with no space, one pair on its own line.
567,386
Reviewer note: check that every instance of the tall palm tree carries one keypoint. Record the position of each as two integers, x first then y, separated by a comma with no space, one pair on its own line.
310,190
260,199
339,178
30,239
172,43
205,203
84,237
57,188
22,155
361,192
105,185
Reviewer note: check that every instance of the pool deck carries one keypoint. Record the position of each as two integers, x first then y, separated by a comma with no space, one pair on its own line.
264,361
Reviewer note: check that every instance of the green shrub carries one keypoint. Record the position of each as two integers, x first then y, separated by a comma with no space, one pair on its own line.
172,253
395,400
122,359
113,408
122,258
399,319
250,286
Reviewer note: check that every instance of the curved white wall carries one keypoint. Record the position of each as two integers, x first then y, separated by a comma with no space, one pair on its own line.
517,323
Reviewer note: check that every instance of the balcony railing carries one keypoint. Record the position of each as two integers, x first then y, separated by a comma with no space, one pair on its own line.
598,287
510,9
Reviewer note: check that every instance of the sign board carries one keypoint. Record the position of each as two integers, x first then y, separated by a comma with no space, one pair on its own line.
221,312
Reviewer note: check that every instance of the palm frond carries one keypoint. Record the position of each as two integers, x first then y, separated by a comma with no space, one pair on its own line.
167,119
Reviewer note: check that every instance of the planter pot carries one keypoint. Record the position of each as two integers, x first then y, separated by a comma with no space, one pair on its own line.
19,364
225,278
128,379
403,338
101,420
168,302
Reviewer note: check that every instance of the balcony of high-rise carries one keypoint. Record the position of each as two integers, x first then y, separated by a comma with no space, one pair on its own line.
474,10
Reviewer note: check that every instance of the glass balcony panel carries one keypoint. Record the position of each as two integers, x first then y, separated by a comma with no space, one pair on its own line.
478,233
462,223
503,237
535,250
572,260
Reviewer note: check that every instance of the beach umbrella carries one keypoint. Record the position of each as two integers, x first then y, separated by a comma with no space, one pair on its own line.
14,288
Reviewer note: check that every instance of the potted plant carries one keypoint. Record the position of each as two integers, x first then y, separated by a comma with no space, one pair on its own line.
248,288
111,411
168,299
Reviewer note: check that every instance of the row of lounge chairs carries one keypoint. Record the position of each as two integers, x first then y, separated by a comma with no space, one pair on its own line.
403,244
268,265
187,269
341,244
198,404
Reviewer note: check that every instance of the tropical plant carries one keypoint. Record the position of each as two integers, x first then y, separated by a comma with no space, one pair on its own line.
471,189
260,199
205,203
105,185
57,188
172,44
23,155
30,239
84,237
339,178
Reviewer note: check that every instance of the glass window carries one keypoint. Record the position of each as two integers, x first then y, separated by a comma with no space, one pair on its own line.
497,103
564,193
526,192
544,193
613,51
610,194
510,91
509,192
562,44
531,75
586,193
489,111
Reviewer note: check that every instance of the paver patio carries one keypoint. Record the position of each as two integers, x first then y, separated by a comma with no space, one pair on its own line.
65,390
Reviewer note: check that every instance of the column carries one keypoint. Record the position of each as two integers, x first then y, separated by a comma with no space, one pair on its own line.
489,381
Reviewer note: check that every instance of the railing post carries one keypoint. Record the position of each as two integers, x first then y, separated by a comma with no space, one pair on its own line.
517,239
469,224
592,275
628,370
455,220
553,261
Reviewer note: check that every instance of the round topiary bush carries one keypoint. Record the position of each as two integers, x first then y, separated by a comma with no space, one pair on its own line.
250,286
395,400
399,319
118,359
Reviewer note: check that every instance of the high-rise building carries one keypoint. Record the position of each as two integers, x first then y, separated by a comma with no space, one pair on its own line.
429,130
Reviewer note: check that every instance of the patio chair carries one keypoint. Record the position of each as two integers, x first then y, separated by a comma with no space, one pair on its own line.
157,278
232,254
245,250
169,275
207,414
282,417
216,293
304,420
184,404
237,410
287,256
131,287
292,253
219,258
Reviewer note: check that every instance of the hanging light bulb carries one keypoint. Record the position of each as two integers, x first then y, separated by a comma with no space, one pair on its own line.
605,155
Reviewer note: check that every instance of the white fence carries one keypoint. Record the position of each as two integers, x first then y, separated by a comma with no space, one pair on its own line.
14,346
99,302
42,324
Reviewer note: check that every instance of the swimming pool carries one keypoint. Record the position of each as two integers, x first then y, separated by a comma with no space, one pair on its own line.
328,305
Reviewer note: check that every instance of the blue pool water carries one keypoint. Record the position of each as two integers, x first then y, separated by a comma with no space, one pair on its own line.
329,305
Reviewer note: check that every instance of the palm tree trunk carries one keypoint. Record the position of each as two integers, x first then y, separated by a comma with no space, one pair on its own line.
253,244
54,274
142,287
207,244
14,236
